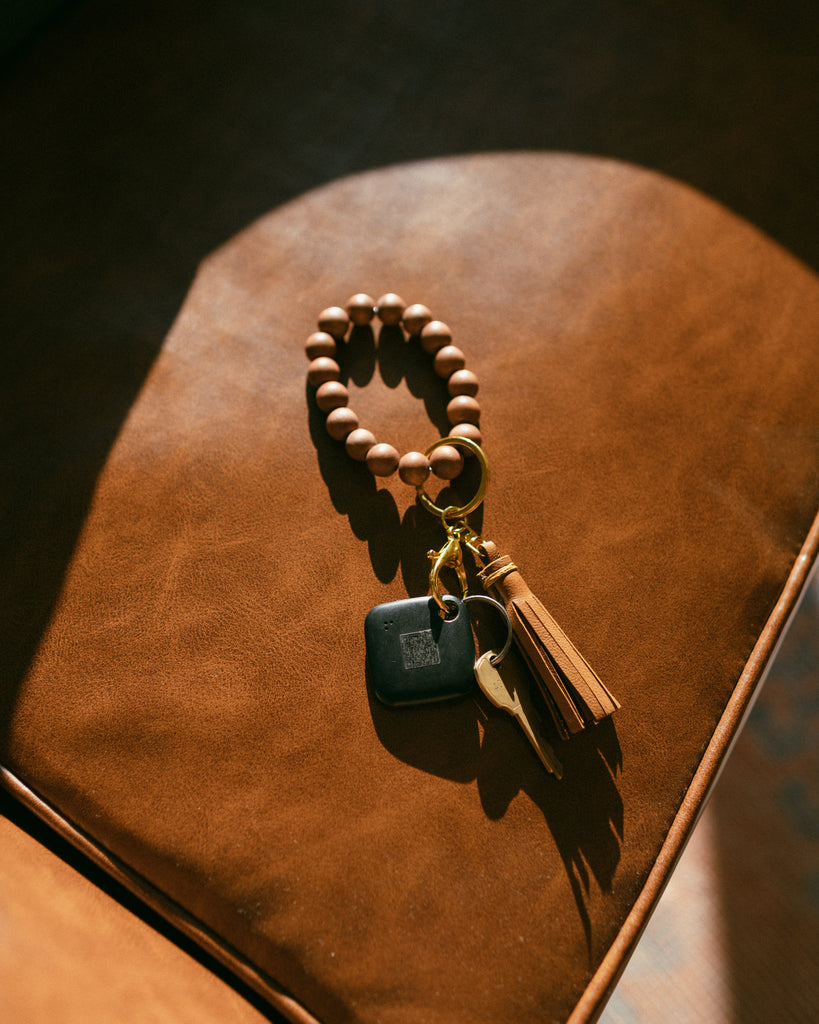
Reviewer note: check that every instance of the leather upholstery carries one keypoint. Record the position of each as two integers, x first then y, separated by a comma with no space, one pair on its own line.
77,950
198,708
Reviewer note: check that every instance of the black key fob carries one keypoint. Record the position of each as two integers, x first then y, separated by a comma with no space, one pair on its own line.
415,655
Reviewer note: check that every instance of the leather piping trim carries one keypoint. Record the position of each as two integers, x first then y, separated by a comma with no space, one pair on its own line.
601,986
148,894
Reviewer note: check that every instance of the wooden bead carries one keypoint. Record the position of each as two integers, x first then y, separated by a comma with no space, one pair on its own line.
361,308
334,320
435,335
331,395
468,430
446,462
390,308
463,409
382,460
321,369
462,382
341,422
358,443
320,344
447,360
413,468
415,318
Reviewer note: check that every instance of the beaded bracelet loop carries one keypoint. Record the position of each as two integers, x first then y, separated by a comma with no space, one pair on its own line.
448,361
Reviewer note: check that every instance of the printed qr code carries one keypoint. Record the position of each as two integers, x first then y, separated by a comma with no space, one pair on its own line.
418,650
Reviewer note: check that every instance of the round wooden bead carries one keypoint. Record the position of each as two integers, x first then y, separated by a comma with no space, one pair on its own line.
468,430
361,308
358,443
415,318
462,382
413,468
463,409
341,422
334,320
382,460
447,360
321,369
446,462
435,335
390,308
331,395
320,344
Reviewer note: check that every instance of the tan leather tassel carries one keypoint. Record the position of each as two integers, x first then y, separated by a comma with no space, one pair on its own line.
574,694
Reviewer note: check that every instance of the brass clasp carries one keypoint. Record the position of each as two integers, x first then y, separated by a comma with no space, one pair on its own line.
449,557
458,530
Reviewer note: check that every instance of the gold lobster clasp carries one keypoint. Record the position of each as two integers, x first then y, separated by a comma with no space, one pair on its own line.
458,530
449,557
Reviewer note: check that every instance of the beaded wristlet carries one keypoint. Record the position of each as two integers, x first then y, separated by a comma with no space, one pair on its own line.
414,648
463,410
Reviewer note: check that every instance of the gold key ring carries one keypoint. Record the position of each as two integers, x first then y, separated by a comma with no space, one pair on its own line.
455,511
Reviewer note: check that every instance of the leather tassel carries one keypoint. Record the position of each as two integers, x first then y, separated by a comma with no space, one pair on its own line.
574,693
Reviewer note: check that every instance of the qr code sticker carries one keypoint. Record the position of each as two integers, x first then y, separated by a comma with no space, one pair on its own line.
418,650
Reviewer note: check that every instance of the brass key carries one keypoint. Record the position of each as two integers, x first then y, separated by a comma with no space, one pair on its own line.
517,704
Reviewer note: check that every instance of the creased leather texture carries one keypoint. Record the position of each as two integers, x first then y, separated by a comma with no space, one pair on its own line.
198,705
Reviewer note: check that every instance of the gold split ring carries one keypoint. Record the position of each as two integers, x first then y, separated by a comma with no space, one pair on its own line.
455,511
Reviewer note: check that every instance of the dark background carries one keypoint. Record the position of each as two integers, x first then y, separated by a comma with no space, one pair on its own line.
136,138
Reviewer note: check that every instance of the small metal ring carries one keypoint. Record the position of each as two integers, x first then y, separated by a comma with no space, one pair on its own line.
452,600
496,659
453,511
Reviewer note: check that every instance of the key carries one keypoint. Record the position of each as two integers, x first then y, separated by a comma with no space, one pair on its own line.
518,705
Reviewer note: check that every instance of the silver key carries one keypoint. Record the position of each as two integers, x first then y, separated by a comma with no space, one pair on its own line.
518,704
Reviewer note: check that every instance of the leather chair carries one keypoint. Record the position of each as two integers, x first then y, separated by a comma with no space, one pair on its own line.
193,556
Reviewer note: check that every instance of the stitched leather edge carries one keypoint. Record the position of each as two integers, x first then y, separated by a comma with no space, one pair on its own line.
593,1001
154,898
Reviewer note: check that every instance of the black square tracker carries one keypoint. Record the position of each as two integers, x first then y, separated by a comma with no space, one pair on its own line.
415,655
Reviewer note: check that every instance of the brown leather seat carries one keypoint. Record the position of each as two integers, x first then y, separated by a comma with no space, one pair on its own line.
197,719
